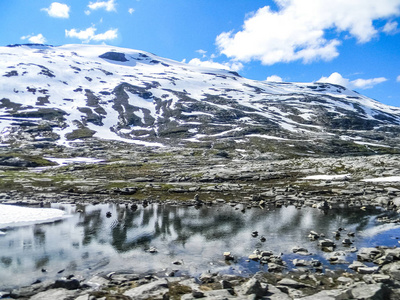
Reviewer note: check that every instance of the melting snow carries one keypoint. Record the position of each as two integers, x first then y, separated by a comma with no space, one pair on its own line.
11,215
67,161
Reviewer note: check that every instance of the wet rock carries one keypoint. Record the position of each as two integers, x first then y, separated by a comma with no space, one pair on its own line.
69,284
347,242
313,235
300,263
228,256
254,257
299,249
326,243
153,250
274,267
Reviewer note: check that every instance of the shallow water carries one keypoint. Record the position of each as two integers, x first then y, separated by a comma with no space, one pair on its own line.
88,242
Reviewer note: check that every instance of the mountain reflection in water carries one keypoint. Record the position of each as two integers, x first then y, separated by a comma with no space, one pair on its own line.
89,242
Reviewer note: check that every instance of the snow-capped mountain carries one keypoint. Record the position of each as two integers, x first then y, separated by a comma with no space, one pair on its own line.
74,92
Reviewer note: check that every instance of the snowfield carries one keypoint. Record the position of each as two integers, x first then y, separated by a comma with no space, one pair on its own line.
111,92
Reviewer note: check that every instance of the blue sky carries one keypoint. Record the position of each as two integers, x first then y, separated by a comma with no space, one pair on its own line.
355,43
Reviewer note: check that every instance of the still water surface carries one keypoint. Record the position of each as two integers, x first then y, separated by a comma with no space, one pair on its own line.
88,242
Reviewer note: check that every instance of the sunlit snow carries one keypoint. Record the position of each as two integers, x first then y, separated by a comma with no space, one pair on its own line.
383,179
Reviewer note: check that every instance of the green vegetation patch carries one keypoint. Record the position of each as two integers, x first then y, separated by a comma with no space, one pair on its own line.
81,133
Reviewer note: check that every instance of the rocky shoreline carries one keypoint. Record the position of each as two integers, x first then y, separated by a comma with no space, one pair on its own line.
379,282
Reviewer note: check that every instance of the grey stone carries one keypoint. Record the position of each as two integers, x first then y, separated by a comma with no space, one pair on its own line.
336,294
59,294
253,286
219,295
273,267
357,264
345,280
291,283
367,270
274,293
97,281
375,291
381,278
368,254
153,289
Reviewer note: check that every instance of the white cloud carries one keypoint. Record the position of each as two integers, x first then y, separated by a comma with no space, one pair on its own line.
88,34
231,66
57,10
297,31
107,5
34,39
202,52
336,78
274,78
398,78
367,83
131,10
108,35
391,28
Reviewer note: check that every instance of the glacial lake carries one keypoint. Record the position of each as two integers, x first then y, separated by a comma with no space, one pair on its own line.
89,241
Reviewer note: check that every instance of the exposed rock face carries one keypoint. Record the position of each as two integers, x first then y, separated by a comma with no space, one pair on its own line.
82,92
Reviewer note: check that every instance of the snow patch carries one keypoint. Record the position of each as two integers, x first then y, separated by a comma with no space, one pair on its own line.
67,161
11,216
327,177
383,179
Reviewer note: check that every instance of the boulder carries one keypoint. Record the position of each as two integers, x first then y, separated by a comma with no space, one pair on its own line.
154,289
291,283
59,294
253,286
377,291
368,254
69,284
326,243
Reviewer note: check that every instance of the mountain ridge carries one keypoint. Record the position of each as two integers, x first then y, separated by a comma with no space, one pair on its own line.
55,95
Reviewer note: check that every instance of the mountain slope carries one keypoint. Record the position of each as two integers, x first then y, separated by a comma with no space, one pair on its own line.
55,95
